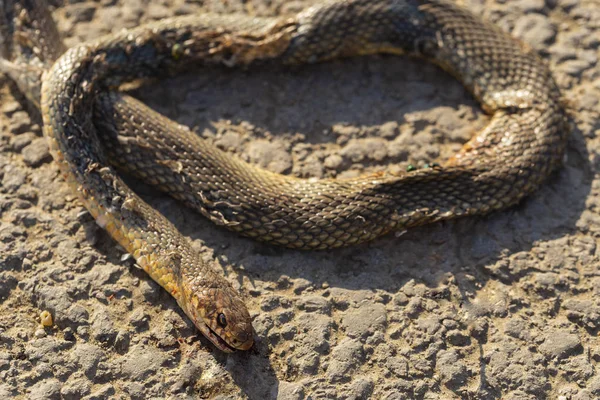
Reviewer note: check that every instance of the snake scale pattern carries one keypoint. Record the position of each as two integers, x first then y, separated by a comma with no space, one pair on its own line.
92,128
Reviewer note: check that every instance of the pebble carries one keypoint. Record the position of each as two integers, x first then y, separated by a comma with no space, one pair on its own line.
87,357
39,333
36,153
364,320
142,362
19,122
150,290
13,179
102,326
10,107
75,389
560,344
458,338
333,161
139,319
346,357
45,390
19,142
273,156
535,30
517,329
397,366
122,341
528,6
103,392
7,283
585,311
80,12
575,67
358,150
77,315
290,391
452,370
359,389
314,304
68,334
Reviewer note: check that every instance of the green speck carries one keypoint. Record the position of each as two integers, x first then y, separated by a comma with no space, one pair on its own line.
177,51
411,168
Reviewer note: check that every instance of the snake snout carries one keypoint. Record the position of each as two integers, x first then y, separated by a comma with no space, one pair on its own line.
233,320
221,316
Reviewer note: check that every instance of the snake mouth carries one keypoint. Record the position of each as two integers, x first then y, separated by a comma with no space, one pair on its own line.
217,340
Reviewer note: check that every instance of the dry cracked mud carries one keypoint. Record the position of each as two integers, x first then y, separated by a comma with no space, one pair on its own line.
506,306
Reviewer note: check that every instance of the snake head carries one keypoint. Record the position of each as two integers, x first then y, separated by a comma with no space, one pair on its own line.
221,316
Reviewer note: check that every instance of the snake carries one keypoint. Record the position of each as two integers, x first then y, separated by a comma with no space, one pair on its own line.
94,130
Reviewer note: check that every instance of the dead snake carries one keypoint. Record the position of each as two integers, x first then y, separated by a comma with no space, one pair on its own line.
88,123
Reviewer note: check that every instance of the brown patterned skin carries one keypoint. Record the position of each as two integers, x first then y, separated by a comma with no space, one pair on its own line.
508,160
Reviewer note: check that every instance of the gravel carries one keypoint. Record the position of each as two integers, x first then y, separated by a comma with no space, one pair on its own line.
504,306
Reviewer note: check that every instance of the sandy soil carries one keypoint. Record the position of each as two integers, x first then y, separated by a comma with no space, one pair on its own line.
504,306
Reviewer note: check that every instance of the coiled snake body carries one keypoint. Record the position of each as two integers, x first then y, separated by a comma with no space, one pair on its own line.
522,144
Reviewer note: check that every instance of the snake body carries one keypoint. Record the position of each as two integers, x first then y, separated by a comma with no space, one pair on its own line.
90,125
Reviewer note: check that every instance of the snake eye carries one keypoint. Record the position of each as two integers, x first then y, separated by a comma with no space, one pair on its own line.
221,320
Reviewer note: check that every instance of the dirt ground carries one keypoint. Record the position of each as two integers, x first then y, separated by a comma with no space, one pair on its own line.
506,306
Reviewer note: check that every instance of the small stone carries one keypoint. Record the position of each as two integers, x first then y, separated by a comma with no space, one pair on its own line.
68,334
457,338
102,326
397,366
7,283
346,357
452,370
39,333
290,391
535,30
54,299
517,329
358,150
135,390
574,67
75,389
389,130
19,122
301,285
273,156
366,319
230,140
333,161
80,12
104,392
122,340
530,5
10,107
88,357
13,179
401,299
359,389
139,319
150,290
77,315
141,362
36,153
559,344
19,142
45,390
314,304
